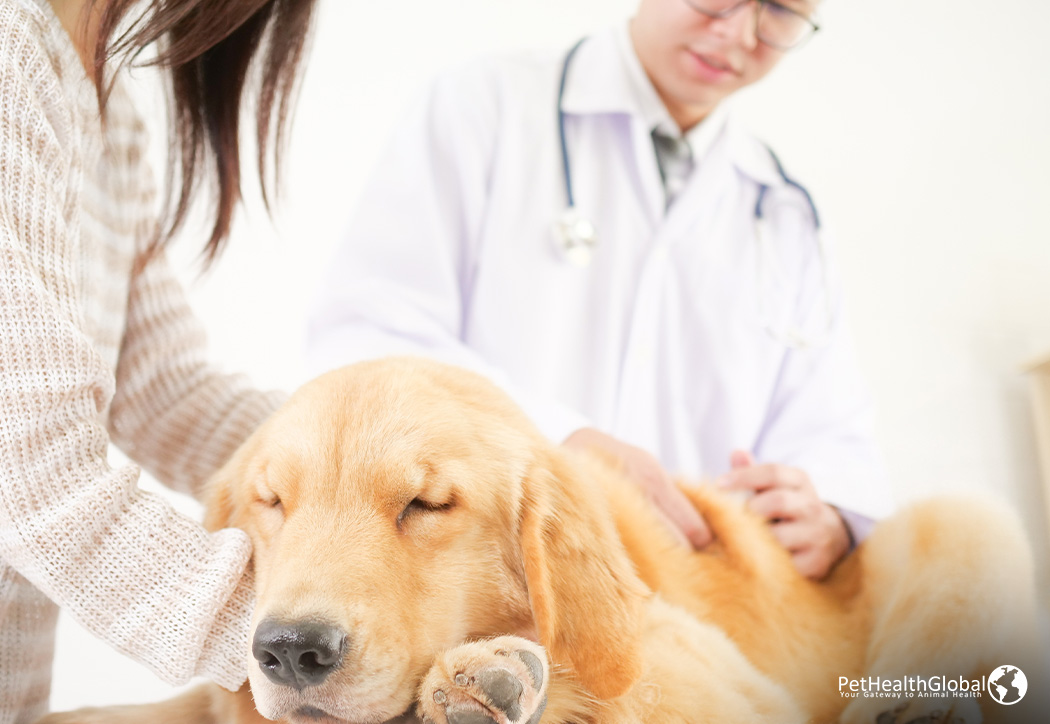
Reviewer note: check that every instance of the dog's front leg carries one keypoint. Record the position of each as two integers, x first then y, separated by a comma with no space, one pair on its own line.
207,704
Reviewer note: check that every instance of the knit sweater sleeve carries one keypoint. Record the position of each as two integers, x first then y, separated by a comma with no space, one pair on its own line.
152,583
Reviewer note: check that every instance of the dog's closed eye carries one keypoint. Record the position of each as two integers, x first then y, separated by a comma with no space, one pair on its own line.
265,497
420,506
270,501
269,511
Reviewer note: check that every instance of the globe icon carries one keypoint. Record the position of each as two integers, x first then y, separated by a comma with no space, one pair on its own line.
1007,684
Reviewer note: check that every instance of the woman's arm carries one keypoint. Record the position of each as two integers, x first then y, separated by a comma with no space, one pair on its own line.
150,582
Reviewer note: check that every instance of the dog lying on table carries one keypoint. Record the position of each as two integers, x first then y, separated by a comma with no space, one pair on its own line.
421,550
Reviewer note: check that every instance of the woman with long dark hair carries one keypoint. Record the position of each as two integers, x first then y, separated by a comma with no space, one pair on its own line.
97,343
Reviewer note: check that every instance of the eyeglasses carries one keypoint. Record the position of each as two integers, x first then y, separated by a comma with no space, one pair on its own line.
776,25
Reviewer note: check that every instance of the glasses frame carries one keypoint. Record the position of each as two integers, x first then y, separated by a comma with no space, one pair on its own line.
722,14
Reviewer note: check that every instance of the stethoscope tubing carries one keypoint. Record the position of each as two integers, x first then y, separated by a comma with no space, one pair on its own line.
565,165
763,188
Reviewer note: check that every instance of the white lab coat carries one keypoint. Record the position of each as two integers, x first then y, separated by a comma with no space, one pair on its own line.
659,340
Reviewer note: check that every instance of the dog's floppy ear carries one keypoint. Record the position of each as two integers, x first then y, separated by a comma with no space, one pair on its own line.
221,507
219,510
228,491
587,601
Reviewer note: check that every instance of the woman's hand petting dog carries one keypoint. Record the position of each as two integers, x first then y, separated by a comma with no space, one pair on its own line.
681,517
811,530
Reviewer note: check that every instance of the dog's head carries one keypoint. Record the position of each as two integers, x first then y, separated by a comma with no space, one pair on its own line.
399,508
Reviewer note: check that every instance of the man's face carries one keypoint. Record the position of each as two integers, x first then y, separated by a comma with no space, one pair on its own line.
695,61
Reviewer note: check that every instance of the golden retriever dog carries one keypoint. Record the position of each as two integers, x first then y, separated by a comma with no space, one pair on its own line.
421,550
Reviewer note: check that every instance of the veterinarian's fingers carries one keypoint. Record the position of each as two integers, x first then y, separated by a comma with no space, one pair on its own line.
816,542
684,517
796,537
763,477
739,459
778,504
812,563
672,528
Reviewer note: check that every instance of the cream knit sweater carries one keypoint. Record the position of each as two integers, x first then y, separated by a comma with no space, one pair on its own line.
91,353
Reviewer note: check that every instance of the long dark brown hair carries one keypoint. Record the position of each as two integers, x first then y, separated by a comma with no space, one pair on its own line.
208,48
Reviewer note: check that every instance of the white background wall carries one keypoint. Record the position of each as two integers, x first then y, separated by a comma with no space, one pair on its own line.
922,129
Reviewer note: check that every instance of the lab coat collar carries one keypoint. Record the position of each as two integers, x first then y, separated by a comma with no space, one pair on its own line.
642,92
752,157
606,77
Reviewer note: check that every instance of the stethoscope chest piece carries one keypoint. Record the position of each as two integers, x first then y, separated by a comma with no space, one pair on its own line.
575,237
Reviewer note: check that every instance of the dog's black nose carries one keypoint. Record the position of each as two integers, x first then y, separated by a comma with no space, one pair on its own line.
299,654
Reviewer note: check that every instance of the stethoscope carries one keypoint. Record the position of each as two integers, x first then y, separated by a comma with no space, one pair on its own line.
576,239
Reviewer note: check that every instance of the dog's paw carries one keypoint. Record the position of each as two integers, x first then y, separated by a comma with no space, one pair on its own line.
495,681
925,710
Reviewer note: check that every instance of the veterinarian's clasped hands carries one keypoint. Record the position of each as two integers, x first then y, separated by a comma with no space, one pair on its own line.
809,528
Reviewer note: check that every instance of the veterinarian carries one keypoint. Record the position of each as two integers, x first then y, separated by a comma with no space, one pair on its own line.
98,344
595,231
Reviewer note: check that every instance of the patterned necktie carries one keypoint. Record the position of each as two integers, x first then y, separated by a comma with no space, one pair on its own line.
675,159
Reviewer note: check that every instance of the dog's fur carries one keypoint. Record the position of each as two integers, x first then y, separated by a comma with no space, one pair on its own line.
422,513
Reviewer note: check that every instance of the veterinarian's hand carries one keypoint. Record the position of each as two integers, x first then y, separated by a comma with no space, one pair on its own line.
811,530
672,506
